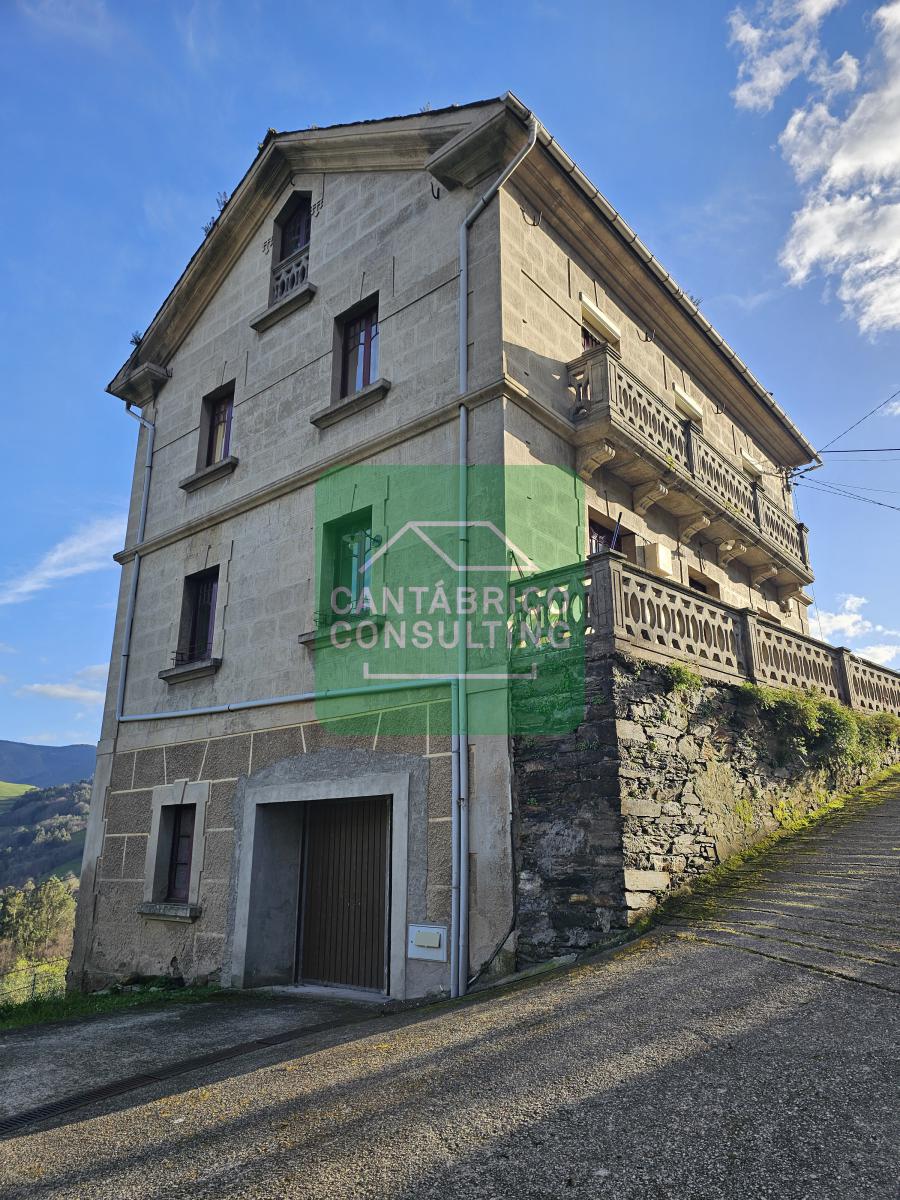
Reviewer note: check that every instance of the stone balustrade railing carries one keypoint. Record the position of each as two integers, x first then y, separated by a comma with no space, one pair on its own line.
606,390
290,274
615,605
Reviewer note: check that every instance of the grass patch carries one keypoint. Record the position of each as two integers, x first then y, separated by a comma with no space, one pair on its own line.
10,792
77,1005
680,677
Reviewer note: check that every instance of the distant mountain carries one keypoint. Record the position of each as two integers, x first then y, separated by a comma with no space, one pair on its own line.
45,766
42,833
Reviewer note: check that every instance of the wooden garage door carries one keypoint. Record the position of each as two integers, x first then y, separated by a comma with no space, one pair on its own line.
344,893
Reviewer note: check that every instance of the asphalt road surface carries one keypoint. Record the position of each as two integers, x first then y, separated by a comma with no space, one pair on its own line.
747,1048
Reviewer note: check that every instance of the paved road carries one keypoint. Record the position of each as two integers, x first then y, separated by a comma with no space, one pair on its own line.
747,1049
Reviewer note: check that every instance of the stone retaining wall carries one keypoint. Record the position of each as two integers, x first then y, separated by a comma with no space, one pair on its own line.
655,787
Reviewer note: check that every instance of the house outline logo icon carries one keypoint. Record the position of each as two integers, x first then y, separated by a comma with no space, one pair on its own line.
522,560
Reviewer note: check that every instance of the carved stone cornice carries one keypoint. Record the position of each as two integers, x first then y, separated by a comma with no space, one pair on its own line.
142,385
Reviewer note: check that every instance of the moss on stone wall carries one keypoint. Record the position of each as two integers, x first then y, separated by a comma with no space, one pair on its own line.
666,777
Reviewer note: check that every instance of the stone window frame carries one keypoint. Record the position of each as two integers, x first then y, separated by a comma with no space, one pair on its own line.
170,796
202,559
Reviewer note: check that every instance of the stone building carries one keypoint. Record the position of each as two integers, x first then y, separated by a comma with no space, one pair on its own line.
247,827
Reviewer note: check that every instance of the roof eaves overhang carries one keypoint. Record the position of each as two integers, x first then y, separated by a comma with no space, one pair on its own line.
803,450
391,143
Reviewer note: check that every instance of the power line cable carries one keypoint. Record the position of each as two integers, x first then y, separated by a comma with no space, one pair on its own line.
871,413
829,490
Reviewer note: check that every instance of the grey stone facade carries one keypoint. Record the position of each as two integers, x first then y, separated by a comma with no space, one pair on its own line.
387,202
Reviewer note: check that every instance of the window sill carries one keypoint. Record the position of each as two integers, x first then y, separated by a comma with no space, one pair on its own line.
351,404
322,636
209,474
191,670
169,910
273,313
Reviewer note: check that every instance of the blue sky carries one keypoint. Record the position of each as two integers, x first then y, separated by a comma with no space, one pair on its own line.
756,151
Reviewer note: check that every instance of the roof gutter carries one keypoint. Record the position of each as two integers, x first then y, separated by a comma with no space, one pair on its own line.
628,235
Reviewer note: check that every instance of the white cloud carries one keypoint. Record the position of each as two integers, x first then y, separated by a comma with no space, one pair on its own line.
86,21
893,409
847,159
881,653
89,549
96,671
781,47
64,691
847,623
5,648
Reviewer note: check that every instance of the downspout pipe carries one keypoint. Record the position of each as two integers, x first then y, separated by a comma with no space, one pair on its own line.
150,429
300,697
459,826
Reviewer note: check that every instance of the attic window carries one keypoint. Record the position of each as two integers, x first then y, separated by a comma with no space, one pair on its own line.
290,247
294,227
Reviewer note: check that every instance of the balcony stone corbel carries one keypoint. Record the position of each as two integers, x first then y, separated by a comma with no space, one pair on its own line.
730,550
786,595
648,494
590,458
760,574
688,527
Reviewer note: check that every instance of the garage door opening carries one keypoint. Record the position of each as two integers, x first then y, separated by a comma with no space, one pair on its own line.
342,929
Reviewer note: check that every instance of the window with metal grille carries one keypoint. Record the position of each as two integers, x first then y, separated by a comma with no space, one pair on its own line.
198,616
183,820
588,339
351,546
359,351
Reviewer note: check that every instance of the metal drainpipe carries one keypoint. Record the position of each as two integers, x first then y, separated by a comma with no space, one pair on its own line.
136,565
242,705
460,826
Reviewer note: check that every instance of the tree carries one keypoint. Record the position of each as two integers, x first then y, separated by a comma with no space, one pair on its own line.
36,917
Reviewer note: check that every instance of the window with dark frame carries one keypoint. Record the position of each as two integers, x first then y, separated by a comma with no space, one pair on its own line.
179,882
589,340
600,535
359,351
218,442
198,617
294,228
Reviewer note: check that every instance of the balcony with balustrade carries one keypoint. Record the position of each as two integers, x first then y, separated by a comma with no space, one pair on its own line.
607,604
623,426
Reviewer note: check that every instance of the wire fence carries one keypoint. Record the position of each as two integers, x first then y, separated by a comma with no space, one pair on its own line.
33,981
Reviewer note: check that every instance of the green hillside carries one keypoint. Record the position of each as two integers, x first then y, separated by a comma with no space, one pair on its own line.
9,791
42,833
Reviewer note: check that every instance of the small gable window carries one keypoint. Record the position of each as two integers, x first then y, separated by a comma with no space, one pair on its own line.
290,247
